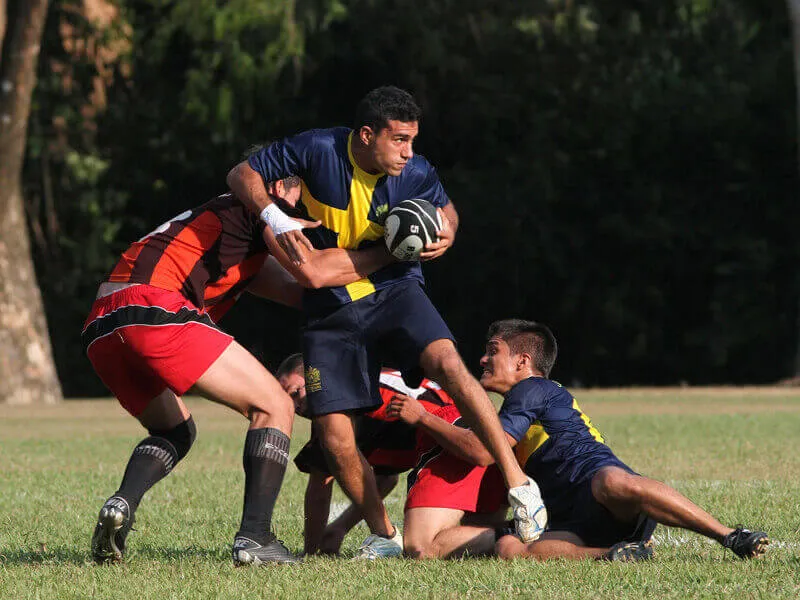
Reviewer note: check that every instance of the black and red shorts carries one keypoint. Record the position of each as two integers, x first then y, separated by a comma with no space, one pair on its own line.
142,340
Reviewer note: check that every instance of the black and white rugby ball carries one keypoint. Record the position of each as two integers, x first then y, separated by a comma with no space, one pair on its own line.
409,226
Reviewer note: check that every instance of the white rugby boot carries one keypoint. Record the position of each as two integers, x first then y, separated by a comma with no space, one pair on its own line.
376,546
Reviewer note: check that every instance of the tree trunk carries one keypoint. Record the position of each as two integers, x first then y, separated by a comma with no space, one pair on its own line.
27,370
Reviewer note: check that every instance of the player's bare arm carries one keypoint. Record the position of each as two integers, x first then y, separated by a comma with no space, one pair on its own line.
249,187
275,283
446,235
330,267
456,440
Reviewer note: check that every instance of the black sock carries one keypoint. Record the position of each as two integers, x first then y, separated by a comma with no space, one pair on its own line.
266,454
153,459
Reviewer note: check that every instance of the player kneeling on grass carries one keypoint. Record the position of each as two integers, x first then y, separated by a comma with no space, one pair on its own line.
598,507
151,337
390,447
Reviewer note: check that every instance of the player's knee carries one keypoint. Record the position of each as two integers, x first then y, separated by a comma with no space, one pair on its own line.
279,409
418,549
617,485
285,407
441,358
508,547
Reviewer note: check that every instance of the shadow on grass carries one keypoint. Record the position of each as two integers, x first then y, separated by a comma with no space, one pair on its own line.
41,556
162,554
75,556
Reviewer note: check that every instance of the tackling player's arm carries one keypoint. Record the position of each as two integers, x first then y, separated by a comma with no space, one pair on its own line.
456,440
330,267
275,283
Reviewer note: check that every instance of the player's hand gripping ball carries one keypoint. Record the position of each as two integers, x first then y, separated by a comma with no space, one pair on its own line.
409,226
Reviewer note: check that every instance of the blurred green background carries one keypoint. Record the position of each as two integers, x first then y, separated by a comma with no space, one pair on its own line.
626,172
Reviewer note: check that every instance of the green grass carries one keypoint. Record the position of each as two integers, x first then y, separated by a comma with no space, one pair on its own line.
732,451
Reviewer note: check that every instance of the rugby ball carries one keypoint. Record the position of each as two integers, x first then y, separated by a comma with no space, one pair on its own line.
409,226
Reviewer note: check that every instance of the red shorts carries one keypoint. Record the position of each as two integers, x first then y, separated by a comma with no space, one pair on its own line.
142,340
442,480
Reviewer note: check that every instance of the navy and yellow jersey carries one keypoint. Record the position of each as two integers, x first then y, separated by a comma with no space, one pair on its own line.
351,203
557,445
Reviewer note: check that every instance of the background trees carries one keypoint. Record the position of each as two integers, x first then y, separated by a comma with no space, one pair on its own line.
625,173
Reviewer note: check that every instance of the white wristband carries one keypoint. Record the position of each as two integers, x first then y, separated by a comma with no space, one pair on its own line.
277,220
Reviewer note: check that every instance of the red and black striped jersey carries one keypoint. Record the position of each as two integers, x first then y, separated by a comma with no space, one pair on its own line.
209,254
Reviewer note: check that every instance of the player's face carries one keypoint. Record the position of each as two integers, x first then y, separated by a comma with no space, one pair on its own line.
391,148
500,371
294,384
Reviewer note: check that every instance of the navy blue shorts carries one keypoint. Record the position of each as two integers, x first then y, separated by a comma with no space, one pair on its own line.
594,523
344,350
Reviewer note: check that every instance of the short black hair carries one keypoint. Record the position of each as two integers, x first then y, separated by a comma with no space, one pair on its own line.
291,364
528,336
384,104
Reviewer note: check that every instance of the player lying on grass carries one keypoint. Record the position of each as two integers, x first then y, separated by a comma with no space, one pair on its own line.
151,337
598,507
390,447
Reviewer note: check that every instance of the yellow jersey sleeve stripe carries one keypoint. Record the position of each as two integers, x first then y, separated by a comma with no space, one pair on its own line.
530,442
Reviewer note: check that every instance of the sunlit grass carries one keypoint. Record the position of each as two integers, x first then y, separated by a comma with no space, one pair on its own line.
732,451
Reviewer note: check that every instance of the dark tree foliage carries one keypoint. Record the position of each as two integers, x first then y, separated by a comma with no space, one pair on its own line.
625,172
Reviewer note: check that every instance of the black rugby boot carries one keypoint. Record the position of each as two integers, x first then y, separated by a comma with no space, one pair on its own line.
249,552
745,543
631,551
113,524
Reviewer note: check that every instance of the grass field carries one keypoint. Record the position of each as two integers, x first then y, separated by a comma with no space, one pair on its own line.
734,451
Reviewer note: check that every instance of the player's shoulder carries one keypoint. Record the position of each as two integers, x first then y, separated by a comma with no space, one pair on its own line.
418,168
332,138
536,389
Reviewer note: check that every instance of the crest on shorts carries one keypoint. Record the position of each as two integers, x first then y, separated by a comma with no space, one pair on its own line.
313,379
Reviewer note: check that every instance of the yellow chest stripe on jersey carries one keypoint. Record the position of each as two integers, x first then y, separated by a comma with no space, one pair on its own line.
585,418
530,442
352,225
